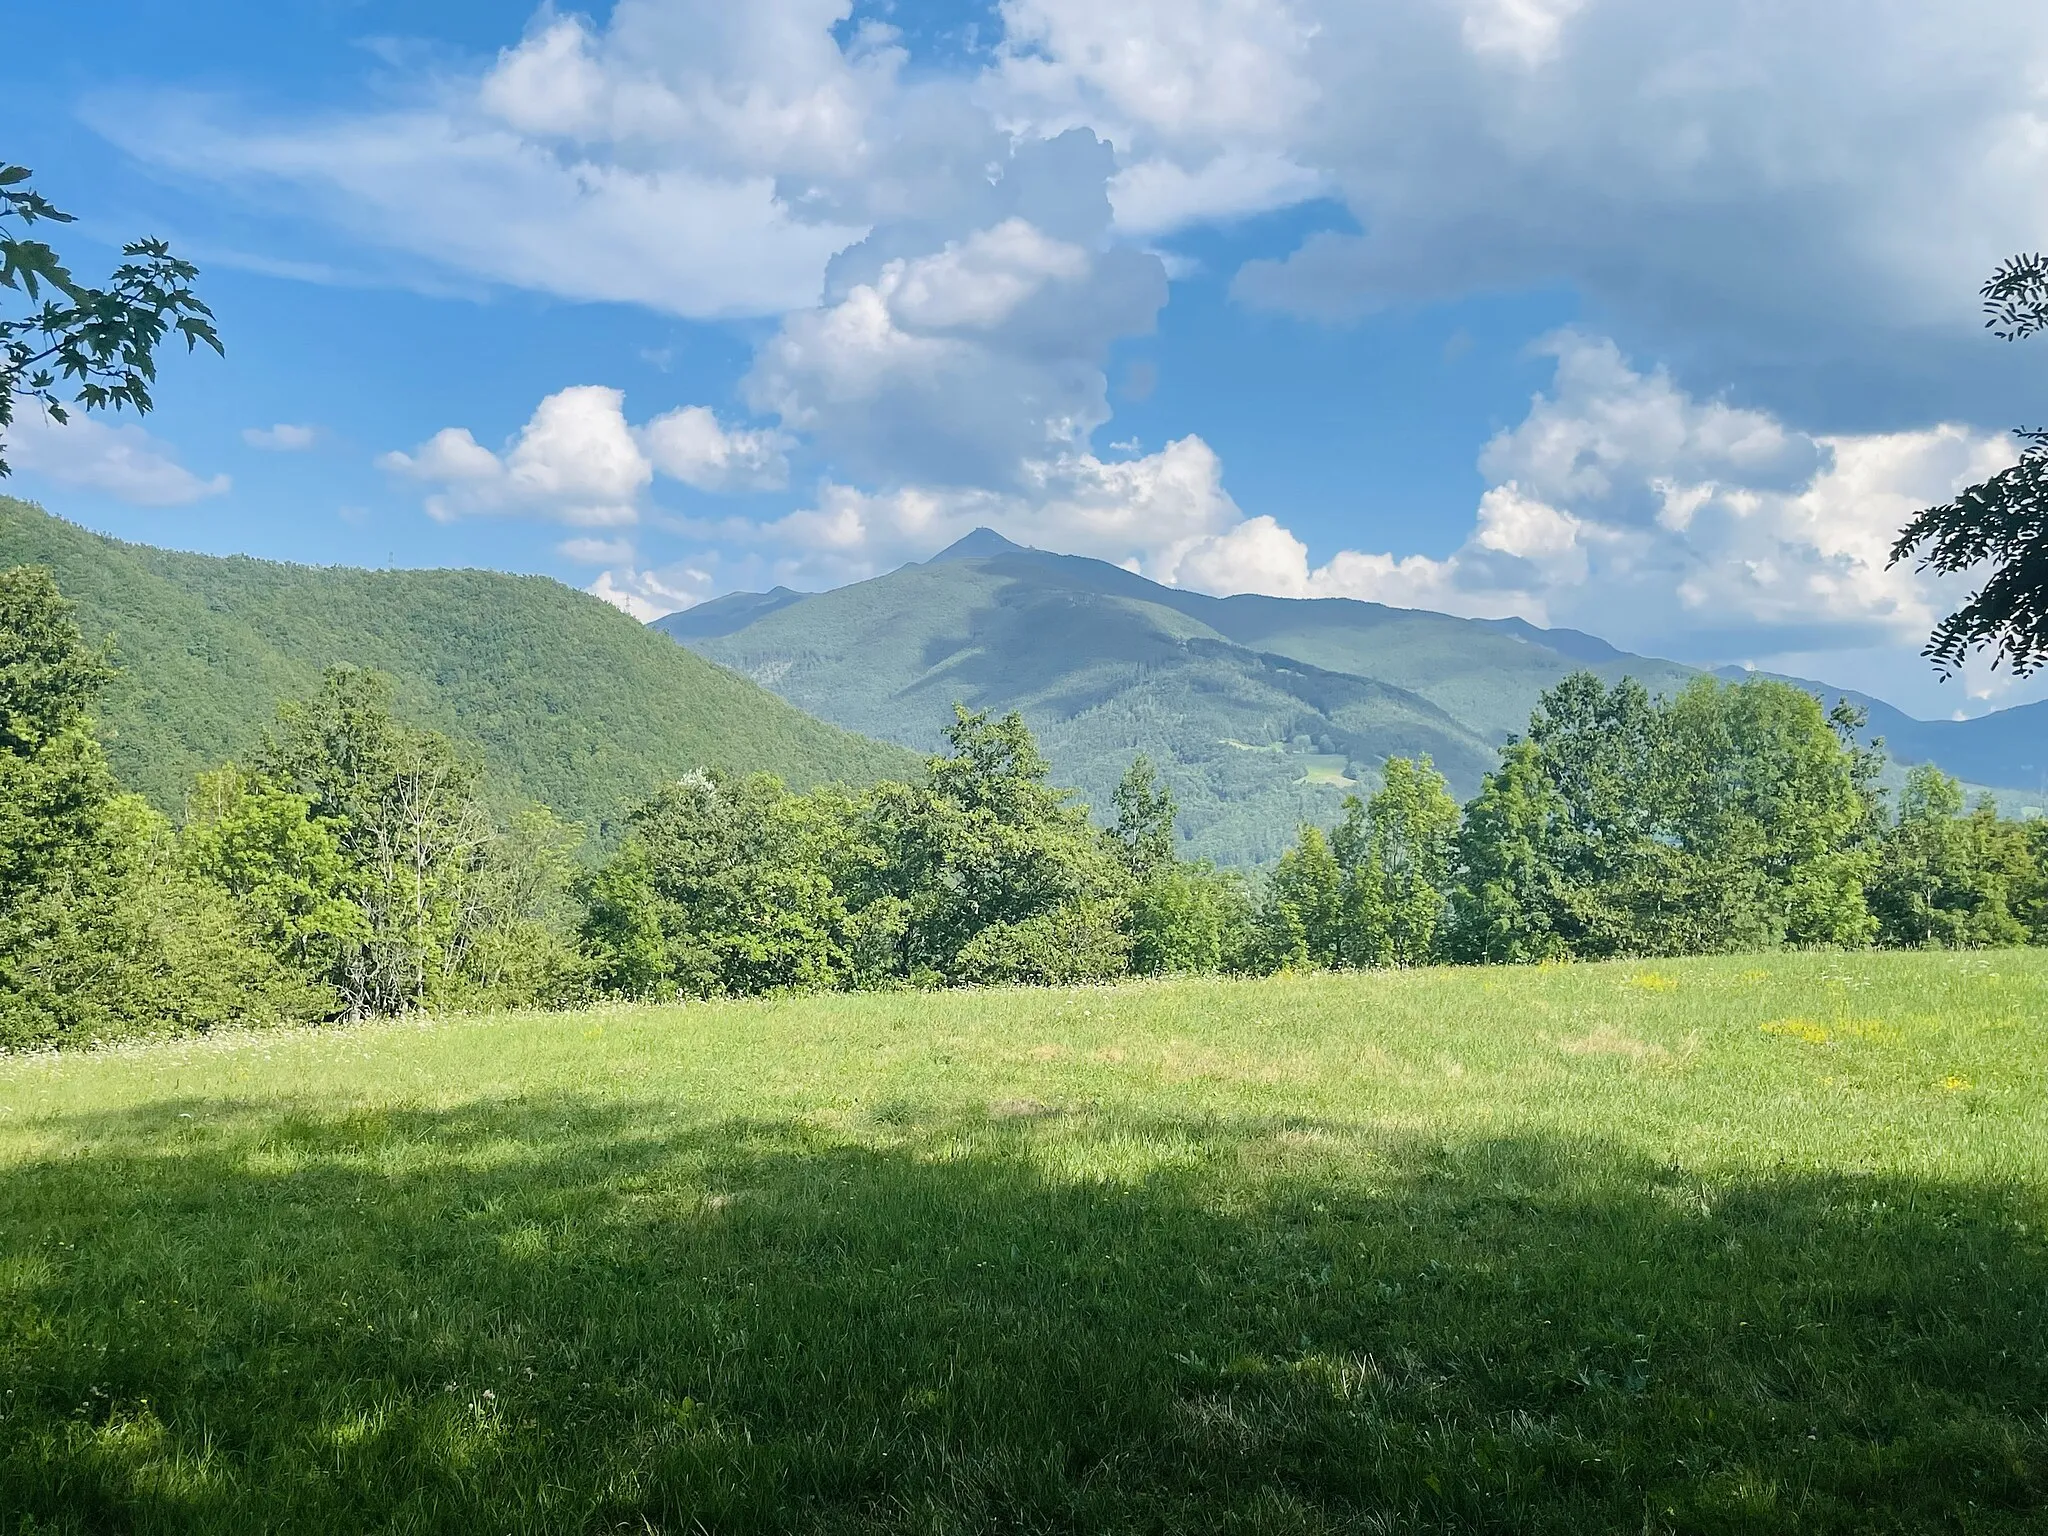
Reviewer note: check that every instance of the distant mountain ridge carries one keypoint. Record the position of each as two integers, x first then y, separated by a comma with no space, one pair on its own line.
1260,710
569,701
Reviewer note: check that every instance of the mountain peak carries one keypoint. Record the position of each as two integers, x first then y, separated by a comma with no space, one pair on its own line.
978,545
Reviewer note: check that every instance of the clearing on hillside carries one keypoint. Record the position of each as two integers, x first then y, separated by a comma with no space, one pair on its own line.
1719,1245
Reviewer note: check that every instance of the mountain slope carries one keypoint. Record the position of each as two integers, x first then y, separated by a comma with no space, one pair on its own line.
570,701
1100,675
1261,711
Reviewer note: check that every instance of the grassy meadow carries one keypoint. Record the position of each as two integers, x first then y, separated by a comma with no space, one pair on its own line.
1714,1245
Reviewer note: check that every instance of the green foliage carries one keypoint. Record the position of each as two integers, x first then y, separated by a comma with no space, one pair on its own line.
361,864
103,932
1765,806
625,949
519,946
1145,815
2001,522
1257,713
983,873
1950,880
1398,854
1373,893
1729,817
988,845
1302,920
1599,749
1192,919
1511,904
721,888
562,699
279,861
55,786
1184,918
449,909
1085,939
84,346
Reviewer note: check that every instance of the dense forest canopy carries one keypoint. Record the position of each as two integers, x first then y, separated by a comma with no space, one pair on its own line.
353,862
564,699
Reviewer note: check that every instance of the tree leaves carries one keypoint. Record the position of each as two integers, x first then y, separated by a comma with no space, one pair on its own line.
2016,297
97,344
2001,522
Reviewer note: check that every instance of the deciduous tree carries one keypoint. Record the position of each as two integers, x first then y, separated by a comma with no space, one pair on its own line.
77,345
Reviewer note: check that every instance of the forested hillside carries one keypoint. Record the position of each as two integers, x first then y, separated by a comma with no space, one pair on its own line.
1253,741
1260,711
570,702
352,862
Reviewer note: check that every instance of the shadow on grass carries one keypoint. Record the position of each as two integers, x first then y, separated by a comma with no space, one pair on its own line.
554,1315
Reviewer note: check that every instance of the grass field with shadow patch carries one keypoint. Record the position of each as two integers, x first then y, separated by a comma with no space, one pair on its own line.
1724,1245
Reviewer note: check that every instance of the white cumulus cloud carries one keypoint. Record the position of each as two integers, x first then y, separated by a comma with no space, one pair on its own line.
116,458
285,437
579,461
1670,525
955,352
693,446
575,461
1768,200
648,594
1781,193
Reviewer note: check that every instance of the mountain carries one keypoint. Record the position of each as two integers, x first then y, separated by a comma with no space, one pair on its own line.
1260,711
568,700
723,615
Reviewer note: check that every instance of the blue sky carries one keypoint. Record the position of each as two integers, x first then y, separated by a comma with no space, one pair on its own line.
1646,320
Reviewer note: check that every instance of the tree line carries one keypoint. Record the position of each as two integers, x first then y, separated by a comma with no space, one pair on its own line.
357,865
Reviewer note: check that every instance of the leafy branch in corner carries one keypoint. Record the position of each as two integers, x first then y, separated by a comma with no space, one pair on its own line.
2001,522
78,345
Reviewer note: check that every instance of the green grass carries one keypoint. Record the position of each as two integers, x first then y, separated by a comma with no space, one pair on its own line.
1728,1245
